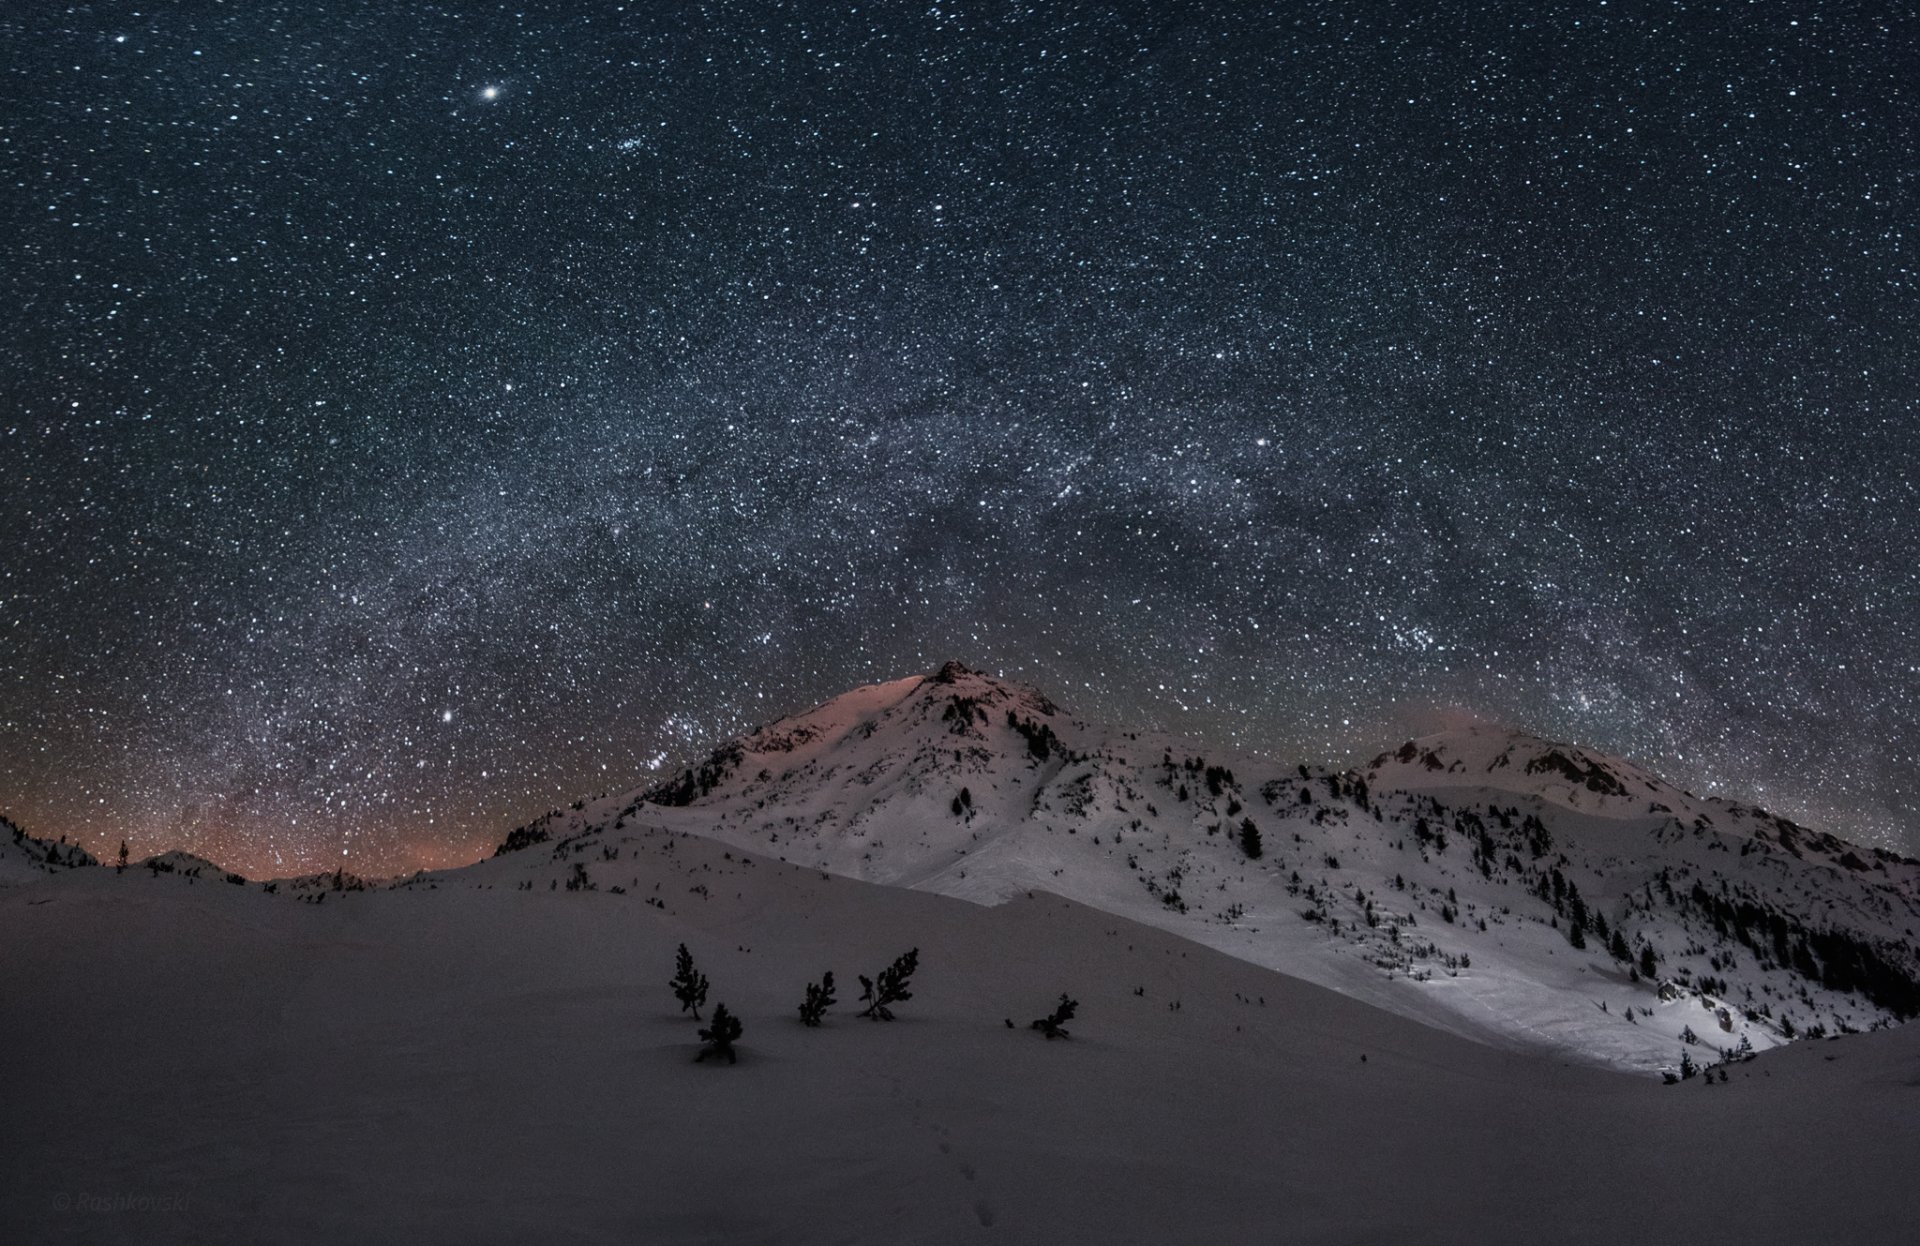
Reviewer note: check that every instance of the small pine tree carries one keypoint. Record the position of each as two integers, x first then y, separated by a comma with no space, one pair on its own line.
892,987
1647,961
819,999
720,1035
1055,1026
689,984
1250,840
1617,946
122,867
1687,1067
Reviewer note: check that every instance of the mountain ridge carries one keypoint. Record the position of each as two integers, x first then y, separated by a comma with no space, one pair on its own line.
1579,883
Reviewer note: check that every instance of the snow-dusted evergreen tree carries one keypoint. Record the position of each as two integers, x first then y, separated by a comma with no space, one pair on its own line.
720,1035
819,999
891,988
689,984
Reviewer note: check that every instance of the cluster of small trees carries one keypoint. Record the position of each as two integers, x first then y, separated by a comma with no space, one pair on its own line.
892,985
689,986
1041,741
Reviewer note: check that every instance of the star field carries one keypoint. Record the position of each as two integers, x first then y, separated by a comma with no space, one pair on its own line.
417,417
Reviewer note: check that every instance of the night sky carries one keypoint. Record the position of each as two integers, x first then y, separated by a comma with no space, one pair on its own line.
419,416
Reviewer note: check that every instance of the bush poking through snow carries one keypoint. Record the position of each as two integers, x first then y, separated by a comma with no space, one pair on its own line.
689,984
819,999
720,1035
1055,1025
892,987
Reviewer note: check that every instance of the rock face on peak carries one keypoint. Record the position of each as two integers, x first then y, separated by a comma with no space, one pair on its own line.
1514,889
954,710
951,671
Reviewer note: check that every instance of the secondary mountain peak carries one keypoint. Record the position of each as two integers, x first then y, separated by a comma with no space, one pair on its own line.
1502,759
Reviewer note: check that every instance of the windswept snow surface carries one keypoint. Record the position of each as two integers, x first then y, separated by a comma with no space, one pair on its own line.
1443,882
486,1055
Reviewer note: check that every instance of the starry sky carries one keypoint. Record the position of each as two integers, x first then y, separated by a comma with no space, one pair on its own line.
420,415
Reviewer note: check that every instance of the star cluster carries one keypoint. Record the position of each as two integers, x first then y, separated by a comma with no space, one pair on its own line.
419,416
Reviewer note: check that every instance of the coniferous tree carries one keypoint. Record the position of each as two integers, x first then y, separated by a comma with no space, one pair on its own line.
819,999
1250,840
720,1035
689,984
891,988
1055,1026
122,867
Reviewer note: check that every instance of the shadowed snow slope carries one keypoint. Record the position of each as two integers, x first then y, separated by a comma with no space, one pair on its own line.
26,859
1498,885
486,1055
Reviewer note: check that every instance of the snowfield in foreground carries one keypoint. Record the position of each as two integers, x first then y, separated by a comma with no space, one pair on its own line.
489,1055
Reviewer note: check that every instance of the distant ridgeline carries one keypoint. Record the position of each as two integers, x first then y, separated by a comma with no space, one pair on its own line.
43,854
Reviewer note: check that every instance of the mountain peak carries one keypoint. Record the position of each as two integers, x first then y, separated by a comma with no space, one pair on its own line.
951,671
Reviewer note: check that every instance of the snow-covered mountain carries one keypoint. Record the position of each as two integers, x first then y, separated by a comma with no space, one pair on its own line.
1494,884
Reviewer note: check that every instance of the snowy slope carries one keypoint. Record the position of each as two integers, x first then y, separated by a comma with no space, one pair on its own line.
27,859
1445,882
485,1055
